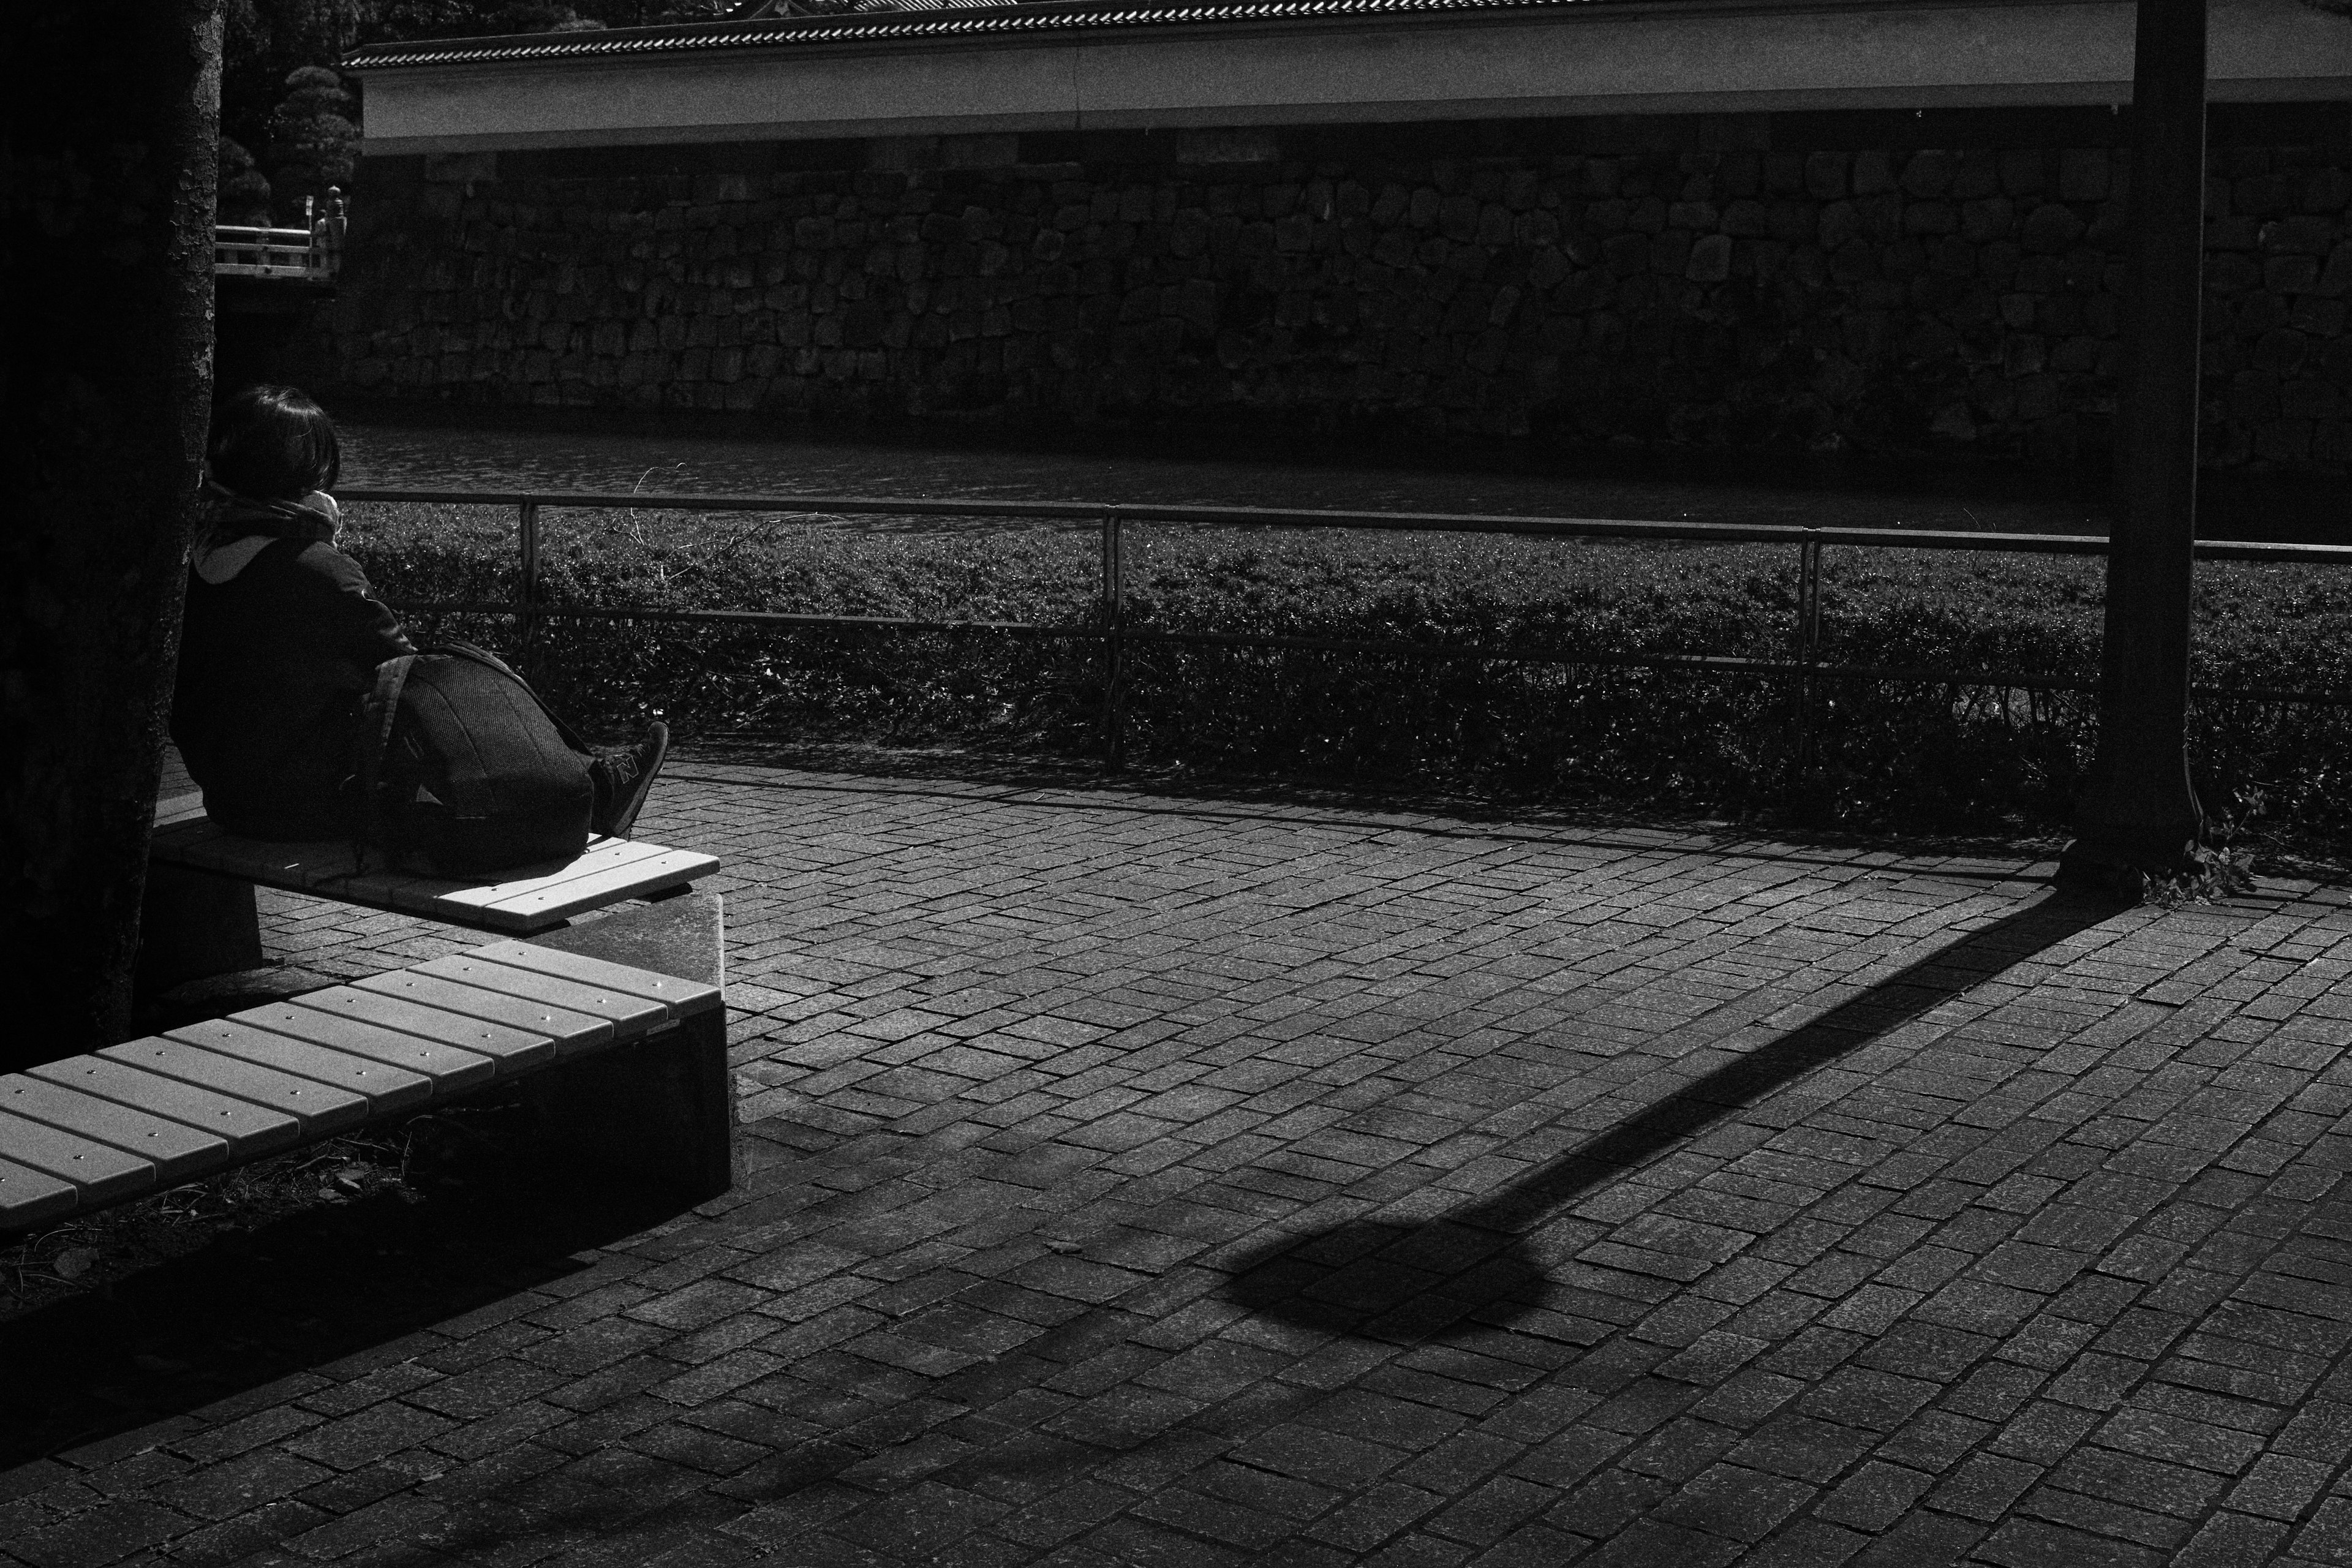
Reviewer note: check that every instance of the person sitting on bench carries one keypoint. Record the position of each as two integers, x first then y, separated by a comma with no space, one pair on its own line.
283,640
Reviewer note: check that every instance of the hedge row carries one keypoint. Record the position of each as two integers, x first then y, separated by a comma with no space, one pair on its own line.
1950,755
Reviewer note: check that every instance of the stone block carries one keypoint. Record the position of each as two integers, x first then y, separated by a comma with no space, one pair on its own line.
1710,259
2291,274
2306,398
2318,316
1747,220
1874,173
2083,175
1794,222
2301,235
2051,228
2327,190
1626,254
2265,195
1841,224
1929,172
1992,218
2281,350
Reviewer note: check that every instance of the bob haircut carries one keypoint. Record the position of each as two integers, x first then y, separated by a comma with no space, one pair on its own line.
273,442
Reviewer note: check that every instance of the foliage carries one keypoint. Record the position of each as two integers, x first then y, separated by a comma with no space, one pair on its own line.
543,18
390,19
244,189
263,40
1960,755
313,142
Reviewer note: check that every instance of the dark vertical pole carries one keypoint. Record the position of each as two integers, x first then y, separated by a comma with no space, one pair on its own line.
1809,651
1114,613
527,593
2137,814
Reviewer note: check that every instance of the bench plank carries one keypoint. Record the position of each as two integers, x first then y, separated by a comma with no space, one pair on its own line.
630,1014
523,900
97,1171
175,1150
29,1196
447,1068
318,1108
601,856
635,878
247,1129
572,1033
513,1049
686,997
383,1085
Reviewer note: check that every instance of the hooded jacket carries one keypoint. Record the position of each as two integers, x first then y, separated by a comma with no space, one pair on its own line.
278,650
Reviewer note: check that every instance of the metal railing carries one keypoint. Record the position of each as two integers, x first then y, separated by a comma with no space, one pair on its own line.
1805,665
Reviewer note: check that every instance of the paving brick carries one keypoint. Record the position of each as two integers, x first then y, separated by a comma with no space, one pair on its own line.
1875,1496
2228,1540
1366,1522
2033,1543
2008,1270
1803,1448
1733,1502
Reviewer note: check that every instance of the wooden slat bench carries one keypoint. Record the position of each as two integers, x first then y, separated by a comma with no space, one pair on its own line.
529,899
89,1130
200,918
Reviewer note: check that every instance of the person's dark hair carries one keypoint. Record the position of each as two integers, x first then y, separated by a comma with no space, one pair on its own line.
273,442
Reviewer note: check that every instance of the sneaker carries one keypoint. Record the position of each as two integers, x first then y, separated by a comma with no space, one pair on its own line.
625,777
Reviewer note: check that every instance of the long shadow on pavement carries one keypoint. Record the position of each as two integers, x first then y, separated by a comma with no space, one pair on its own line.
1391,1281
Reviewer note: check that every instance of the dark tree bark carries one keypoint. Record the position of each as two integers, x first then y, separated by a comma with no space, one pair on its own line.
2138,816
108,171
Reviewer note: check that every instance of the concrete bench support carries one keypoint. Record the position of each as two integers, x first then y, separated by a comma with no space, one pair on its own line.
195,924
656,1115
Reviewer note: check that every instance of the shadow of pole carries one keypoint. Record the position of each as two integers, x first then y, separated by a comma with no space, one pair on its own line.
1411,1282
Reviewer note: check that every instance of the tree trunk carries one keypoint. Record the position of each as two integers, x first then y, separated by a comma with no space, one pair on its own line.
105,381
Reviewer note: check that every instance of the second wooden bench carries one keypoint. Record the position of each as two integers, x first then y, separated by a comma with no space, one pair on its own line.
650,1090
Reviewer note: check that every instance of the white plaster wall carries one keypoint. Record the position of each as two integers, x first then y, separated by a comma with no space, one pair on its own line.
1680,56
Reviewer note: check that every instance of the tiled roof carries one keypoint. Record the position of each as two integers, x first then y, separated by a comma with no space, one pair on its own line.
918,19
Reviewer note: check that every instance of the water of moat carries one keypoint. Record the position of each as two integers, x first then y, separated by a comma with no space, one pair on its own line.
1196,472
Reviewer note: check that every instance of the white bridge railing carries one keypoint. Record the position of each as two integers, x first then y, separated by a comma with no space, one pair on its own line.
313,253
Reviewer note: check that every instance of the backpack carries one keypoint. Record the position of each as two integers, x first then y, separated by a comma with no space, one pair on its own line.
463,770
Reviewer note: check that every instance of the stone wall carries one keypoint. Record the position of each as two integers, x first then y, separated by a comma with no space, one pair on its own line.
1876,282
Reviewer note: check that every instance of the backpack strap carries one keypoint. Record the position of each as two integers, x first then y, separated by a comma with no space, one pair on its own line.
383,707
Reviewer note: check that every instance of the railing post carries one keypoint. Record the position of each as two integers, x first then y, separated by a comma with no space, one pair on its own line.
1809,649
527,592
1114,618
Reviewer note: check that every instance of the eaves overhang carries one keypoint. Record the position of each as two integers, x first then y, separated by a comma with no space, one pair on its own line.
938,21
1081,65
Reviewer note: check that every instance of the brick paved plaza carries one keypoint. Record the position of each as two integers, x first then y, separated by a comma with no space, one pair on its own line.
1132,1179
